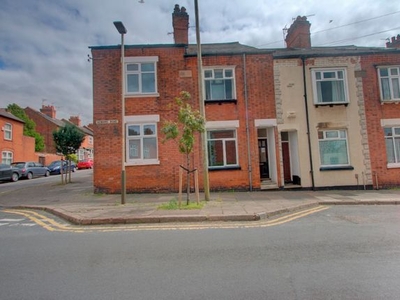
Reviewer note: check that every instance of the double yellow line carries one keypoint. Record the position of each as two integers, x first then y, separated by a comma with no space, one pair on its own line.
42,220
53,225
294,216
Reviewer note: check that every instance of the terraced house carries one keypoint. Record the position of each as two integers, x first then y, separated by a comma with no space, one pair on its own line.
275,118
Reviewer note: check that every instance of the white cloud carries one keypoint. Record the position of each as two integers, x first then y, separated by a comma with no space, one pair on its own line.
44,43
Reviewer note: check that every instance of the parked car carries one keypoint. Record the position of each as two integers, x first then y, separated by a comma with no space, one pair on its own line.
8,173
85,164
30,169
55,166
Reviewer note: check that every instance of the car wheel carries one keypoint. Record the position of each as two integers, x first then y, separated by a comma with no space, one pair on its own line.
47,174
29,175
14,177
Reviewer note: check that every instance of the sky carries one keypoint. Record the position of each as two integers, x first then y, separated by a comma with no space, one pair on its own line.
44,44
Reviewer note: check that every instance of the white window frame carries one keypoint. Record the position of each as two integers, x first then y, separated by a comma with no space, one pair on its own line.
207,70
393,81
141,121
8,131
224,142
339,137
323,71
139,61
393,137
7,157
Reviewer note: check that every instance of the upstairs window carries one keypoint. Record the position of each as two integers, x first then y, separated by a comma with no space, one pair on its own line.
389,83
141,75
219,84
333,148
392,140
330,86
8,131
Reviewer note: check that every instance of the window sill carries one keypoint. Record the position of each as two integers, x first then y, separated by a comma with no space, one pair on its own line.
224,168
219,102
391,101
339,168
393,165
331,104
141,95
143,163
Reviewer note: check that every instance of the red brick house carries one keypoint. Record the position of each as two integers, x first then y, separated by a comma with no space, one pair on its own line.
14,146
239,109
381,81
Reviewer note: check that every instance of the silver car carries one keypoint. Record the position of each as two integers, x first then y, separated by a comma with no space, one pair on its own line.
9,173
30,169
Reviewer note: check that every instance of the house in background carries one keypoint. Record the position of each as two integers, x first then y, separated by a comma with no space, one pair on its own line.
276,118
86,149
47,123
14,145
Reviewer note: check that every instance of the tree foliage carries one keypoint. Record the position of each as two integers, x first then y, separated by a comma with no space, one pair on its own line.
68,139
29,126
189,123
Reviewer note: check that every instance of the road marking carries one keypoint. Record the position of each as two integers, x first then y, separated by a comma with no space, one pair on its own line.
11,220
4,224
53,225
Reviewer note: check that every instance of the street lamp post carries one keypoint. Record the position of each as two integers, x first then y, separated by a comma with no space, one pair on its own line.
201,104
122,30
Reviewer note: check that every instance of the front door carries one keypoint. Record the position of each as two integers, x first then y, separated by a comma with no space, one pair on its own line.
263,158
286,162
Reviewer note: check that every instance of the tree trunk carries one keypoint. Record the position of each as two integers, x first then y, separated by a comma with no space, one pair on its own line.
187,178
69,171
62,171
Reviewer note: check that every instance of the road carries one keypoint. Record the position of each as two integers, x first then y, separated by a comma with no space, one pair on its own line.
344,252
6,186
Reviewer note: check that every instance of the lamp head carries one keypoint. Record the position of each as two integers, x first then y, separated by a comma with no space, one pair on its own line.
120,27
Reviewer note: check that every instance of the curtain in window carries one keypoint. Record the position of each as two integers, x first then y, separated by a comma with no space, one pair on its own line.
385,89
338,91
330,91
333,152
396,88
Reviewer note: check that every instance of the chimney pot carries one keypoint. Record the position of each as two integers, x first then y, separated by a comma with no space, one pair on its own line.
48,110
180,24
394,42
298,35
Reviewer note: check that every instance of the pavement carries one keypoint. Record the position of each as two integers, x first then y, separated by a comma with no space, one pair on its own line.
76,203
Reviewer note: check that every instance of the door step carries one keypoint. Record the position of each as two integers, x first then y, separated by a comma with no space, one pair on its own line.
268,184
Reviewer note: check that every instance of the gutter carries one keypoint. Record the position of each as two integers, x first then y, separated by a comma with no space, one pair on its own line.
303,59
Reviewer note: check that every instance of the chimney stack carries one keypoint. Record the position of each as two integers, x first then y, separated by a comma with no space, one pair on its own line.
298,35
49,111
394,43
180,23
75,120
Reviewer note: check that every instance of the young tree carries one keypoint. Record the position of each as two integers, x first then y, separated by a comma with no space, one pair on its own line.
29,126
68,139
189,122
